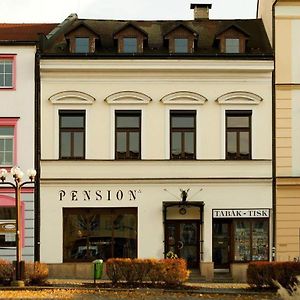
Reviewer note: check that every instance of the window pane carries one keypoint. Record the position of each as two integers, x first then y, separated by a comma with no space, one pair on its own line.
72,121
1,79
232,45
2,66
82,45
8,80
134,144
176,144
7,233
121,145
9,130
181,45
8,67
99,233
238,121
242,240
260,241
8,158
78,144
182,121
244,144
189,144
128,121
231,144
65,144
129,45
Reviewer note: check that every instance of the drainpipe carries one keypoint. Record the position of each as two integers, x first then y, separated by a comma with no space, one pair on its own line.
274,136
37,156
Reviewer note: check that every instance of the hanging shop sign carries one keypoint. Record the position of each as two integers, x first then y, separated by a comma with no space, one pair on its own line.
241,213
99,195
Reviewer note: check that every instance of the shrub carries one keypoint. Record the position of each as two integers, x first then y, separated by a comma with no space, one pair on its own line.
261,274
113,270
168,271
36,273
175,272
6,271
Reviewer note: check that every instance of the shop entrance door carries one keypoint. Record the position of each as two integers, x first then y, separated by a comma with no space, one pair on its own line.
221,244
182,238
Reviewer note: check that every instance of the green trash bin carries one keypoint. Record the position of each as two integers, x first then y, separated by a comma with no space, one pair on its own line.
97,269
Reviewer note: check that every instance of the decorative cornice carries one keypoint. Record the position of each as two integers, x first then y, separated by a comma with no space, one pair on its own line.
239,97
183,97
72,97
128,97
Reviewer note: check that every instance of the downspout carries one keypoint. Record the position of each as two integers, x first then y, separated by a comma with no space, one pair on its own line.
37,143
274,137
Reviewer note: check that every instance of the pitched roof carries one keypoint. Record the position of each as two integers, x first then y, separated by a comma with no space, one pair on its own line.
257,44
25,32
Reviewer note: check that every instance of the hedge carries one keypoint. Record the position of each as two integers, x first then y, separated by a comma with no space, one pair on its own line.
265,274
166,271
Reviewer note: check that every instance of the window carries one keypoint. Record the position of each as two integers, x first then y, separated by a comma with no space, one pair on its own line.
82,45
6,145
183,134
251,240
129,45
181,45
6,72
91,233
232,45
128,135
72,134
238,134
7,226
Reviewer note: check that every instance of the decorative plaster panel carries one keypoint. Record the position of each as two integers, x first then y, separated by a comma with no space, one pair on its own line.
239,97
183,97
128,97
72,97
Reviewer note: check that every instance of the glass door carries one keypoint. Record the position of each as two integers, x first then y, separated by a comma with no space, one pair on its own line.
221,244
182,239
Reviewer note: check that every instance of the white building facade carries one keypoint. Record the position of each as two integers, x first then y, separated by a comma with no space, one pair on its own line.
143,156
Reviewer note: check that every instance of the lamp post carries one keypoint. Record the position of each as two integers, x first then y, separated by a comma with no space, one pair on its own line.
17,185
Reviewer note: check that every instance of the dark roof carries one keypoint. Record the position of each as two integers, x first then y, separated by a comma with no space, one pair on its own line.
257,44
23,32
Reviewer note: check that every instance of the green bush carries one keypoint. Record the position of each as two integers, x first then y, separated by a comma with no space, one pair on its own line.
167,271
6,271
36,273
264,274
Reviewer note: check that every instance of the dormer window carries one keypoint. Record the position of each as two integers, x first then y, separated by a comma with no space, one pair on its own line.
82,45
181,39
232,45
232,39
130,45
130,39
181,45
82,39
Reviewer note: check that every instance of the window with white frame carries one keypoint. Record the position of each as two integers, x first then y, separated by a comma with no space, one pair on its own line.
6,72
6,145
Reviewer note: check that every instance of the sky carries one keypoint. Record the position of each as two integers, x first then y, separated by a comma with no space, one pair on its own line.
55,11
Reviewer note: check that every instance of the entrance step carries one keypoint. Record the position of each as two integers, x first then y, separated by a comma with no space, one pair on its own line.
195,276
222,277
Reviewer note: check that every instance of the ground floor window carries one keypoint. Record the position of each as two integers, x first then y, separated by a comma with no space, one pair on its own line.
92,233
7,226
240,240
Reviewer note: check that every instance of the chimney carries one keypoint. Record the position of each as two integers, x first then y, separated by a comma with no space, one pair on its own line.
201,11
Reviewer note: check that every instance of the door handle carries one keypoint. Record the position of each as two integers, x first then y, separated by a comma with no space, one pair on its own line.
180,245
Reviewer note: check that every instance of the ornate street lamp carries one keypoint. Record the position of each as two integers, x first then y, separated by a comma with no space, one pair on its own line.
17,175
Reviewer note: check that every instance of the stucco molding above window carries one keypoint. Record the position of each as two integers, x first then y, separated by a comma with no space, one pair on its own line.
239,98
72,97
183,97
128,97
